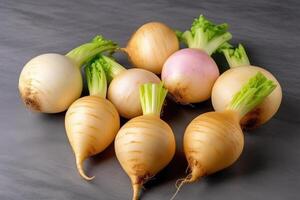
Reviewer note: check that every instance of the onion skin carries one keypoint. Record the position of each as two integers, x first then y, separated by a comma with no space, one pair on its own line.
212,141
144,146
189,75
232,80
123,91
43,84
151,45
92,123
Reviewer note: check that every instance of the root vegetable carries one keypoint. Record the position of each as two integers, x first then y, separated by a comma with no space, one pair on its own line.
123,90
214,140
189,74
151,45
43,85
231,81
145,144
91,122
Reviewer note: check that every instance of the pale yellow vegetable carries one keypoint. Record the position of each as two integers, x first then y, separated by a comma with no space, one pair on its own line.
151,45
91,122
231,82
145,144
214,140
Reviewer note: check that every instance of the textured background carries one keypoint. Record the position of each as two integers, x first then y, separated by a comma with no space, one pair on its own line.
36,161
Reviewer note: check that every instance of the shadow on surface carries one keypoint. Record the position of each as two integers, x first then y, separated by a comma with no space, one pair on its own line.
171,173
103,156
252,160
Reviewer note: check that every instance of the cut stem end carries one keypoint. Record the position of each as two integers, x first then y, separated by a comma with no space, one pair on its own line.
251,94
152,97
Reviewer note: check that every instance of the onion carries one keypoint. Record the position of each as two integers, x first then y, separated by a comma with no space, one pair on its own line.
123,90
151,45
49,83
189,74
232,80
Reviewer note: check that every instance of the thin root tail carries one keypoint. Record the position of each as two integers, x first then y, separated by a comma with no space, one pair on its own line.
136,191
195,175
81,171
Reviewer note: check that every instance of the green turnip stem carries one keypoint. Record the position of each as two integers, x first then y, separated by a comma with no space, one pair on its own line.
96,79
111,67
152,98
251,94
86,52
205,35
235,57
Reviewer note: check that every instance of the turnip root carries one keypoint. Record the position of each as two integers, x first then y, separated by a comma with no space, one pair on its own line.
214,141
189,74
145,144
91,122
232,80
49,83
123,90
151,45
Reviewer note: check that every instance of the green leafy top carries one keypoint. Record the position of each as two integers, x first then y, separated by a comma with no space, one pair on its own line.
205,35
96,79
86,52
235,56
110,67
152,96
252,94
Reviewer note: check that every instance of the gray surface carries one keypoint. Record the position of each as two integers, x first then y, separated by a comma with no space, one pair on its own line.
36,161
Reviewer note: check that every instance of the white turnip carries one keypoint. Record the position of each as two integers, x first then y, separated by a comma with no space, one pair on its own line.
49,83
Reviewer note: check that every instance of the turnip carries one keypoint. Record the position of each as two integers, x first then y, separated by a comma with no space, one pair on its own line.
91,122
189,74
214,140
231,81
151,45
123,90
145,144
50,82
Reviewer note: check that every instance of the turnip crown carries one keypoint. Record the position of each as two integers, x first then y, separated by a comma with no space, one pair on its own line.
235,56
110,67
86,52
252,94
96,79
205,35
152,97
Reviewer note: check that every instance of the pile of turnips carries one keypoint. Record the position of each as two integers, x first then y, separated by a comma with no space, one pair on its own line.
243,97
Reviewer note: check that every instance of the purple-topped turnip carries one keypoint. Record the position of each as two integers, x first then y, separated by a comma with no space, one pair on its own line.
189,74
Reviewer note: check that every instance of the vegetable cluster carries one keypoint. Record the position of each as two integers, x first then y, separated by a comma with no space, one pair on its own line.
243,97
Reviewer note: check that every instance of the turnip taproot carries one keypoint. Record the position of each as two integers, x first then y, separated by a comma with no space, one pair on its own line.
50,82
145,144
189,74
91,122
214,140
123,90
232,80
